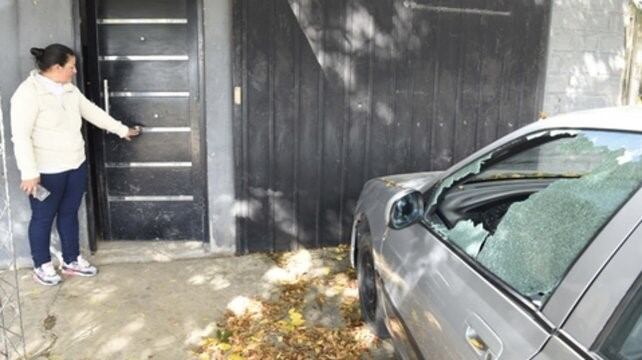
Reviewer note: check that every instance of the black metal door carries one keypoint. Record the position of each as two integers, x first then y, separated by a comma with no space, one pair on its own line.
147,74
338,92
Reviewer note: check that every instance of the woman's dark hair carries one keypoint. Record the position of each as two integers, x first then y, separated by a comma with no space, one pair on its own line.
51,55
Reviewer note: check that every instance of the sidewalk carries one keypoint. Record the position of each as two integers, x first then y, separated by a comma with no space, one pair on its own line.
155,310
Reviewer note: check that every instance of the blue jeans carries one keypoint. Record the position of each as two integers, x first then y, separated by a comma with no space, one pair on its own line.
67,189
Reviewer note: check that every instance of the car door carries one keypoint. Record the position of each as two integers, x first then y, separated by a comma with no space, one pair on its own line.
607,322
463,291
448,308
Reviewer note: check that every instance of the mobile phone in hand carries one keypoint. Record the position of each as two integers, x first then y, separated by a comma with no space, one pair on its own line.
41,193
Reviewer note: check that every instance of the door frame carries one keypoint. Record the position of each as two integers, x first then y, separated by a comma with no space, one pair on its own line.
239,115
96,217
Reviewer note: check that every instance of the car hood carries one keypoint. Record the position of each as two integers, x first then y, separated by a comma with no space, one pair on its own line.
418,181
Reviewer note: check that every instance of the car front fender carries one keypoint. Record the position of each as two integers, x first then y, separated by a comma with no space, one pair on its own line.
372,210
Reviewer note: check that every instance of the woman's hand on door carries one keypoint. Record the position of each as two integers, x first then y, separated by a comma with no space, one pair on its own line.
29,186
132,133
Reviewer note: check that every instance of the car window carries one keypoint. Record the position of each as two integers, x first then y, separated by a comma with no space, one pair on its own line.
623,337
550,159
525,212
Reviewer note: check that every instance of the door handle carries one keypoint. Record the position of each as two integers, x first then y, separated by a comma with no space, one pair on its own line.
478,344
106,94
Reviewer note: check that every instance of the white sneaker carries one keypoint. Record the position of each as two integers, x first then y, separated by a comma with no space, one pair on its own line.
80,267
46,275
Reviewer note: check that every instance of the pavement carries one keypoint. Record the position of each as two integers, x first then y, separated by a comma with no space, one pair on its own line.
154,307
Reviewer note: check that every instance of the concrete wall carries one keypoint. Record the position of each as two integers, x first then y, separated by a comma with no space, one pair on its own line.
217,30
8,41
25,24
586,55
6,240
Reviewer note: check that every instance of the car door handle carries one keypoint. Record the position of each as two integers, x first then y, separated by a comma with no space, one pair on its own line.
478,344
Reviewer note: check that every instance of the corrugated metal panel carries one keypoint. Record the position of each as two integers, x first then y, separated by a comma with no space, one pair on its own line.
337,92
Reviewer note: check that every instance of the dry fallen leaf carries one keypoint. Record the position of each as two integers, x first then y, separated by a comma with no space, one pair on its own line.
296,319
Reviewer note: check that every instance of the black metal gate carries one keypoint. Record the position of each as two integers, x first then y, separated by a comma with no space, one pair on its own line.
333,93
143,67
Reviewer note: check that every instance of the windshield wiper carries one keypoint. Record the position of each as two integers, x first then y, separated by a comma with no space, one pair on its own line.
525,175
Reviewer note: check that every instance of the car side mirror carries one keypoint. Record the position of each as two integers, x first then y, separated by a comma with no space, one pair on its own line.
406,210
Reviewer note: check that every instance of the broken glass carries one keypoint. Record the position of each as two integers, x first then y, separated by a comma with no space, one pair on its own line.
540,237
466,235
537,239
476,166
470,169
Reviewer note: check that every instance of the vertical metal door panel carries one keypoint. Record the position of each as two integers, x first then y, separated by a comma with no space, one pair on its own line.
284,128
402,78
152,187
530,72
309,122
491,81
148,39
382,92
334,121
259,152
513,62
468,94
359,115
449,56
151,111
424,93
358,89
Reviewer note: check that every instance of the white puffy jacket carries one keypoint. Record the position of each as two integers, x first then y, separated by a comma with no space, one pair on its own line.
46,132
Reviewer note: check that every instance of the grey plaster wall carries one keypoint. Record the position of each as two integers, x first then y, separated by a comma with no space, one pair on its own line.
9,44
586,55
25,24
6,240
217,33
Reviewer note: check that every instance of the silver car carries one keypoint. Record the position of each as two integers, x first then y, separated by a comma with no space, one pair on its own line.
531,248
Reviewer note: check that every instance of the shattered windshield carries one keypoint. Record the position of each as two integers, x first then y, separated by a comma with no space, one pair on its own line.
526,217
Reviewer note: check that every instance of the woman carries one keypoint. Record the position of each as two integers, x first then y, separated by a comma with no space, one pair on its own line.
46,112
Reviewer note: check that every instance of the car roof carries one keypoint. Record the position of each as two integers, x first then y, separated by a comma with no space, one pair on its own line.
626,118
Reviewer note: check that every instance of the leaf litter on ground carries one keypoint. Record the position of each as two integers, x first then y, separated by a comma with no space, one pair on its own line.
292,324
